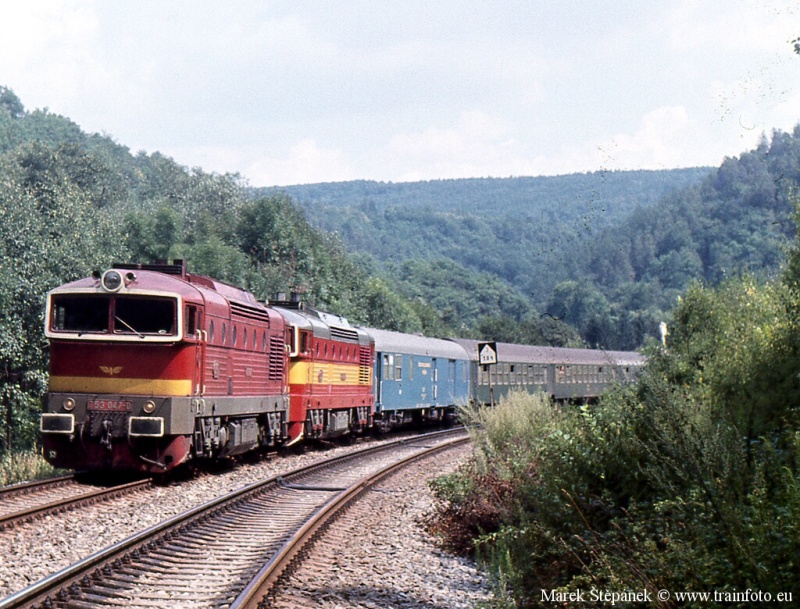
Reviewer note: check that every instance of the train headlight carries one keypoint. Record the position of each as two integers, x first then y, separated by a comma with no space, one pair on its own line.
68,404
112,281
149,406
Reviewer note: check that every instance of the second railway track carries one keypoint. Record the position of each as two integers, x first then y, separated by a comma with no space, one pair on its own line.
208,556
27,502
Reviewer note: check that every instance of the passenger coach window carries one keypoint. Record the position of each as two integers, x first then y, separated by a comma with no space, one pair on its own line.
398,368
388,367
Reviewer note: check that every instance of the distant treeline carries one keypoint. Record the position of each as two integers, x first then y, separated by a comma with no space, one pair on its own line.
607,252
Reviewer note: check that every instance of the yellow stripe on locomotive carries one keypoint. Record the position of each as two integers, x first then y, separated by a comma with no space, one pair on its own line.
328,373
120,386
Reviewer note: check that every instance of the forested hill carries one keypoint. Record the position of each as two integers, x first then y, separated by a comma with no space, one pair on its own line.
609,252
740,219
445,218
445,241
619,191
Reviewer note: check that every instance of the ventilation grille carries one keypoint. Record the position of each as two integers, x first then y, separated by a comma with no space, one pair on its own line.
344,334
276,352
178,267
364,360
248,312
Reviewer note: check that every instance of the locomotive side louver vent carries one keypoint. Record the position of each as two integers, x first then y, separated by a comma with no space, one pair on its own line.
248,312
344,334
363,366
276,352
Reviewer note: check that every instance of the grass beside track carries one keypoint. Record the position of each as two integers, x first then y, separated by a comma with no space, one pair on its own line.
25,466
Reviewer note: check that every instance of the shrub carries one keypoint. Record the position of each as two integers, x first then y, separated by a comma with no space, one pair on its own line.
23,466
688,481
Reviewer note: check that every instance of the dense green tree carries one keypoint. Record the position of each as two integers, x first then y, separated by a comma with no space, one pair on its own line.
10,103
49,233
534,329
387,310
72,203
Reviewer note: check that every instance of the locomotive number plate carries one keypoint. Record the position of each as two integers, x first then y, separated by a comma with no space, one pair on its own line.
109,405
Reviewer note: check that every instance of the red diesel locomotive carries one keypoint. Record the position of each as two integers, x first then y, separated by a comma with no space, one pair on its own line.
330,373
151,366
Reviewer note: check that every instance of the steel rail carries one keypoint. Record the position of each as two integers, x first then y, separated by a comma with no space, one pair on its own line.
61,584
265,580
27,488
59,505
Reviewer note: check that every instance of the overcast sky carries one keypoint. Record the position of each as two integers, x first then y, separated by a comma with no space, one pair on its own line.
301,92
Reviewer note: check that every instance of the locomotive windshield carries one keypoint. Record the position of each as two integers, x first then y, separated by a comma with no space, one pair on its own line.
120,315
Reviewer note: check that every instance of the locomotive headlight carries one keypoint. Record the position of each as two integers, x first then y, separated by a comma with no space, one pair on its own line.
149,406
112,281
68,404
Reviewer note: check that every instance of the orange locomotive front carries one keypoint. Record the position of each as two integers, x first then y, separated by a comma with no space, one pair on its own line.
151,366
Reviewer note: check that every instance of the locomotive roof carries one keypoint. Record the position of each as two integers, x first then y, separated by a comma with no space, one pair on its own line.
413,344
509,352
323,325
173,275
152,279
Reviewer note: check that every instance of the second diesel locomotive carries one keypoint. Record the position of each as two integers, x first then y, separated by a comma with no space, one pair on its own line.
151,366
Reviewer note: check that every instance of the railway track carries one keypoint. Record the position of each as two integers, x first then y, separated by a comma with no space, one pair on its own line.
32,500
230,551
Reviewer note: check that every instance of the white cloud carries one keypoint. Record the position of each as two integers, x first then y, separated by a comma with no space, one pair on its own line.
786,114
286,92
51,41
662,141
306,163
749,27
666,138
477,145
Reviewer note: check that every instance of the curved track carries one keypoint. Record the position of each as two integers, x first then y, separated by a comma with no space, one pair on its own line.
208,556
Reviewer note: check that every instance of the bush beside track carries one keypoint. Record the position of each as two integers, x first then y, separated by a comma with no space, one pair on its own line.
687,482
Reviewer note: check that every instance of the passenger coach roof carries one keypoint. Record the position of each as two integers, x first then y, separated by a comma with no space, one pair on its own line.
507,352
412,344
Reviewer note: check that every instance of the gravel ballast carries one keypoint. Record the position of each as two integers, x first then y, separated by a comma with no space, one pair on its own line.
35,550
379,554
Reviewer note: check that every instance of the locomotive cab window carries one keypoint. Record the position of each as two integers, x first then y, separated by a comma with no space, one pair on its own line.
83,313
79,313
144,316
191,321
